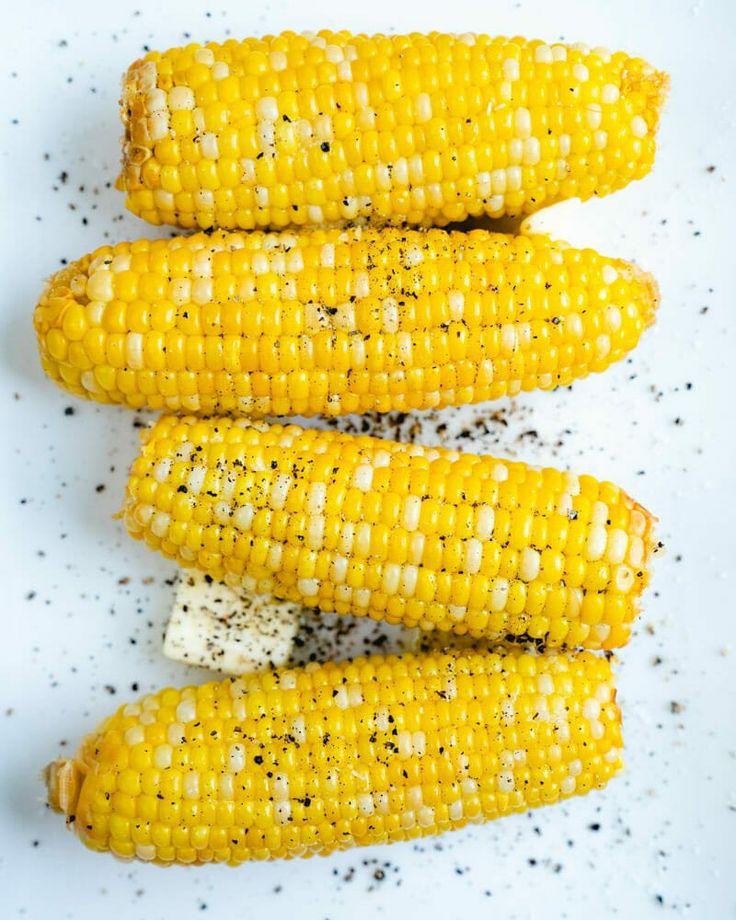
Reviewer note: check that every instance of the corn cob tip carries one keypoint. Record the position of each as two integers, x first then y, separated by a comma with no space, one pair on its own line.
63,779
651,297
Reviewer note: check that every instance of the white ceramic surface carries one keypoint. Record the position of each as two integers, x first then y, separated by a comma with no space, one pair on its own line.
84,607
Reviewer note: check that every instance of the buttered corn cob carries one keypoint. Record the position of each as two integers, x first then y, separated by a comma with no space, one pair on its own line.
424,129
419,536
335,321
377,750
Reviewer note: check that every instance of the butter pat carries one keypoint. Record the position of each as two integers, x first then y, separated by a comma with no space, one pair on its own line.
229,629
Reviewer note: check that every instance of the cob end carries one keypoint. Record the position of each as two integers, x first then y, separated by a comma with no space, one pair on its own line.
63,779
651,290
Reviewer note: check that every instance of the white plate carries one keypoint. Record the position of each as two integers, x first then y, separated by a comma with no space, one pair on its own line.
85,607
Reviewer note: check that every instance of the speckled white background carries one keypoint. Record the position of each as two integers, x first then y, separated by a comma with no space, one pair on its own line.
84,607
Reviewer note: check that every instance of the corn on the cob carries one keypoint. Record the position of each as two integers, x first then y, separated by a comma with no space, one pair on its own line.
377,750
423,129
336,321
419,536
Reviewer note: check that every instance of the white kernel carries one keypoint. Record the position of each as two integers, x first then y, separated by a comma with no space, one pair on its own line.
135,735
484,522
543,54
191,785
205,56
278,61
403,741
282,812
411,512
513,178
267,109
298,726
145,851
612,756
158,126
308,587
243,516
473,556
160,524
186,711
500,472
609,274
362,542
567,785
636,551
236,758
100,287
599,513
545,684
132,709
156,101
532,152
639,127
596,544
511,69
499,595
593,116
226,786
315,531
391,578
134,351
346,537
204,198
408,820
602,346
580,72
574,768
339,570
381,719
220,71
564,144
610,94
202,292
323,128
361,284
505,781
600,140
530,564
279,491
362,597
468,786
559,53
425,816
162,756
209,147
618,542
456,612
147,75
181,97
409,575
416,548
280,787
591,708
516,150
423,108
623,580
364,801
597,731
455,810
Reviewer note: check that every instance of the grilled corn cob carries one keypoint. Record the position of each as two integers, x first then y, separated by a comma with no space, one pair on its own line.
423,129
419,536
377,750
335,321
